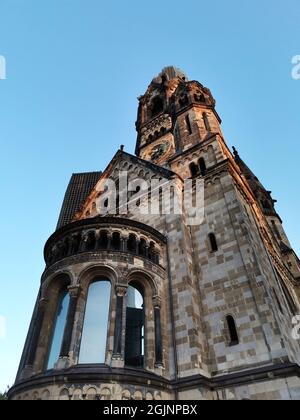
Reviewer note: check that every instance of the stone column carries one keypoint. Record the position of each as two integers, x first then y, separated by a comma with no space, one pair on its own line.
34,340
158,334
146,251
124,244
118,356
74,292
137,246
109,239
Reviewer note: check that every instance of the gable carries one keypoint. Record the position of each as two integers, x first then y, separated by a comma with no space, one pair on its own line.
123,163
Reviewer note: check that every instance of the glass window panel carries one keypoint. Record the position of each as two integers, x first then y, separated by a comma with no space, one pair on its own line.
135,329
94,336
134,298
61,318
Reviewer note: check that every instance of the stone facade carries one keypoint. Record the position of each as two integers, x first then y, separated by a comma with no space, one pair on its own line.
219,297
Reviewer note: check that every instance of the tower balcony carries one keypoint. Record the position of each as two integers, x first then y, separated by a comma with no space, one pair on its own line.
111,235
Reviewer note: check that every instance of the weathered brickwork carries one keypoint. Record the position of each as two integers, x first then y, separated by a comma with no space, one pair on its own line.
219,296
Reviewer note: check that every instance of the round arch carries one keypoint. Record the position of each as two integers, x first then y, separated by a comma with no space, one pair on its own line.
139,276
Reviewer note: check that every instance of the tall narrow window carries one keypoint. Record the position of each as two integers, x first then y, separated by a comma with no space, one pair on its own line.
202,166
194,169
188,124
206,121
213,242
59,327
132,244
94,336
135,340
142,248
157,106
116,241
234,338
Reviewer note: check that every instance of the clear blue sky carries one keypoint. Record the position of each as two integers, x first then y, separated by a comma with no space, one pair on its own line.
74,71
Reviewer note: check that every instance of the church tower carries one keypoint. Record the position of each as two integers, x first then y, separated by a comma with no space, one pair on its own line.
135,305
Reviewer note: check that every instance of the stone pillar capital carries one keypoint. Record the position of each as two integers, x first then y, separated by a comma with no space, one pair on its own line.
74,291
121,289
157,301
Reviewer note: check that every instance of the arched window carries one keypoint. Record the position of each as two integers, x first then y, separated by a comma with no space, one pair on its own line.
103,240
152,252
184,100
59,328
65,248
135,331
76,239
194,169
131,244
91,241
213,242
116,241
206,121
234,338
199,97
142,248
94,335
202,166
157,106
188,124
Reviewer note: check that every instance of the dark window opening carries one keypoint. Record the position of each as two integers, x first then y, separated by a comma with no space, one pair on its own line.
76,239
206,122
91,241
142,248
116,241
163,131
234,338
183,101
132,244
153,254
199,98
135,328
202,166
103,240
157,107
194,169
213,242
188,124
65,248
